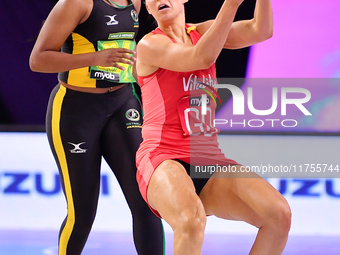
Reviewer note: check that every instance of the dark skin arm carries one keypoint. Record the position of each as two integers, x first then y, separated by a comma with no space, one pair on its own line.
64,17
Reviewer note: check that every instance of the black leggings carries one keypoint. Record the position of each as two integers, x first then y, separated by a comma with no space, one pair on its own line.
81,128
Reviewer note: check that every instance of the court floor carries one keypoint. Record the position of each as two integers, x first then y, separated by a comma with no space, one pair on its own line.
105,243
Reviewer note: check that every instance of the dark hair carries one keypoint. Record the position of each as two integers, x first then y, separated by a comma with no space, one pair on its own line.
152,21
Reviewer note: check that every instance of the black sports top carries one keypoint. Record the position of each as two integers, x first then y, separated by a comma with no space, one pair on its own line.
106,27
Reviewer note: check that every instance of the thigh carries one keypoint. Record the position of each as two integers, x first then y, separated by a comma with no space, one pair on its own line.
74,140
199,183
248,198
122,136
120,140
171,192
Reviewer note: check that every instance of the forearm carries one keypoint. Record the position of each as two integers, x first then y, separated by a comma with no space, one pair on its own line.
263,19
211,43
245,33
54,62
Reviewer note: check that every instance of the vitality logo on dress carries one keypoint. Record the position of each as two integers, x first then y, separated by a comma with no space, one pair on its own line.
112,20
77,148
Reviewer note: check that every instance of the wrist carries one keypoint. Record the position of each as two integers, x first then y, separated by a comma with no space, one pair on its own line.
234,3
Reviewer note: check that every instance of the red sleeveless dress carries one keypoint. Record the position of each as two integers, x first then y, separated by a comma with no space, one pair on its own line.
173,126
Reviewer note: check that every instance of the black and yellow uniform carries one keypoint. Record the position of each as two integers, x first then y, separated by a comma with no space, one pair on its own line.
105,28
84,127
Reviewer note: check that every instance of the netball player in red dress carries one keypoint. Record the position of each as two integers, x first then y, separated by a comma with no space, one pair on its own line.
170,62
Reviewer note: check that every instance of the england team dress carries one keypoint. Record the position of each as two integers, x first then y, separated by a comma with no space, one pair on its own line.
174,127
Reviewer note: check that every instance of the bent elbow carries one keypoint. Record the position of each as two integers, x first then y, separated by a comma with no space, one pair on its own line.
34,64
262,32
266,34
269,34
33,67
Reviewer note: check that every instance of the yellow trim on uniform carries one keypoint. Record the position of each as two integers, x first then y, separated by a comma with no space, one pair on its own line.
189,29
59,149
81,76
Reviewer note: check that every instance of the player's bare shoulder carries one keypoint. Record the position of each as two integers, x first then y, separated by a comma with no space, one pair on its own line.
149,46
152,44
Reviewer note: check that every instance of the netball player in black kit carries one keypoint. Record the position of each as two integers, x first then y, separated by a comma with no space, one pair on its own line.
93,112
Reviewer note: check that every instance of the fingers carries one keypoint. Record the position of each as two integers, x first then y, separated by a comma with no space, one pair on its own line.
123,58
122,50
114,57
118,64
126,54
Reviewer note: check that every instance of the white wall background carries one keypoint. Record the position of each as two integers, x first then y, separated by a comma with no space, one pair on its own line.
315,210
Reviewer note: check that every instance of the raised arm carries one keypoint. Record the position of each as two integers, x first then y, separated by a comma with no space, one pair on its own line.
245,33
185,56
